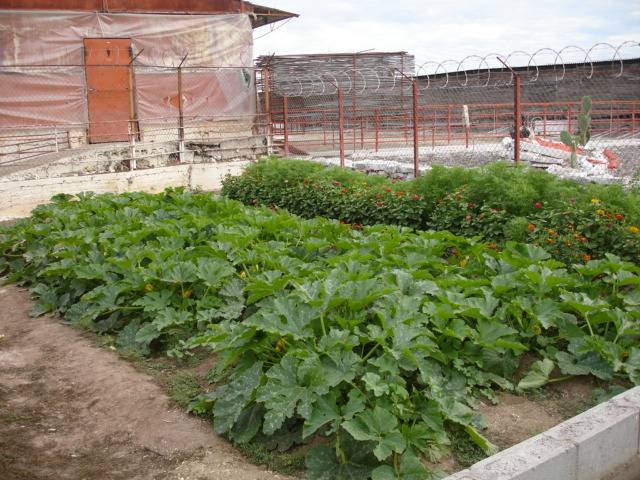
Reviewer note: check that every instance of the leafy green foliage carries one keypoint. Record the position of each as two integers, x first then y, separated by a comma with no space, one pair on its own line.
374,343
497,202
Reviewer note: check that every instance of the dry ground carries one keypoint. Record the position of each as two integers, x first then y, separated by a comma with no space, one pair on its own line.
71,410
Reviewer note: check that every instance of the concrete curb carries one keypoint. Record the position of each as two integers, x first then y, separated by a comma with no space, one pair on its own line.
601,443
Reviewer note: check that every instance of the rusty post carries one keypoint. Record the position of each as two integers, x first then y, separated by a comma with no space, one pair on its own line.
180,117
266,93
517,113
324,128
341,126
449,125
377,128
285,120
416,133
433,130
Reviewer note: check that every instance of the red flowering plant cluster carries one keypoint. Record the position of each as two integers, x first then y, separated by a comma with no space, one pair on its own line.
455,213
581,232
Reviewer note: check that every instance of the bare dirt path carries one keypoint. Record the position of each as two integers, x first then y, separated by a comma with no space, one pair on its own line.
72,410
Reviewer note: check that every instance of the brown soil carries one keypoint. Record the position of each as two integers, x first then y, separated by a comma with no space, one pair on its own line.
516,418
71,410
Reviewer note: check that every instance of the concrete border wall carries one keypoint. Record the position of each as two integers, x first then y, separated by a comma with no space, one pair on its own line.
602,443
18,198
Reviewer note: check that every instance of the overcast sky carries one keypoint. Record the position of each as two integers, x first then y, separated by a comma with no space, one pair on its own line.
436,30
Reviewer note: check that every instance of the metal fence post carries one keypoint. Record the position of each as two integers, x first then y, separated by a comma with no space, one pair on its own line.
517,113
132,146
285,120
180,117
266,93
416,133
377,128
341,125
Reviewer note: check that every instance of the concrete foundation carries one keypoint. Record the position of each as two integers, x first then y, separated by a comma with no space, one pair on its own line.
20,197
600,444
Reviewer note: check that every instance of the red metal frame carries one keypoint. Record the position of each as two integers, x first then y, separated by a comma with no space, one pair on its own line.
380,128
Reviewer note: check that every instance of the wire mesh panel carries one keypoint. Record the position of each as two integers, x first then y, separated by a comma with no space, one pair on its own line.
379,117
63,120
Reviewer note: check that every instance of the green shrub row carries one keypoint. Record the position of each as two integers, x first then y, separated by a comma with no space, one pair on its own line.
498,202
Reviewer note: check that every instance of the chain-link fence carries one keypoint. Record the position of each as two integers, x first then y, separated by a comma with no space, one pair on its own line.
380,117
109,114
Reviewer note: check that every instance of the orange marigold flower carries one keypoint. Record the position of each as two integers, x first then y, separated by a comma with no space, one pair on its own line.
388,190
399,193
379,195
531,227
415,197
343,190
552,232
586,258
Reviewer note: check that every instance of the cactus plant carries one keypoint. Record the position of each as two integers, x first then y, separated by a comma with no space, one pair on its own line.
582,136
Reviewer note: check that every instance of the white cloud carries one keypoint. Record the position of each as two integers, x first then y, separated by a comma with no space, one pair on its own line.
439,30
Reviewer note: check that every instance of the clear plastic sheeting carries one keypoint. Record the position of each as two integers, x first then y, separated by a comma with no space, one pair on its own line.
43,78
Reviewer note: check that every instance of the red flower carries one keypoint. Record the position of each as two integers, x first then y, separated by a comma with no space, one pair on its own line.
415,197
343,190
337,184
619,216
393,181
537,205
471,206
379,204
388,190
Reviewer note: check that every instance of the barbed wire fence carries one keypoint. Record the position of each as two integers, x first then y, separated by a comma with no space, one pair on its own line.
400,120
379,112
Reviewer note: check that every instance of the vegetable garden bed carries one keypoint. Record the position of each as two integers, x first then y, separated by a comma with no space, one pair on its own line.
372,343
